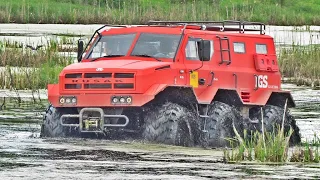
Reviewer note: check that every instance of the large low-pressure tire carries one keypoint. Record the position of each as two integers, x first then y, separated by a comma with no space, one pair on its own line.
273,117
52,127
171,124
219,125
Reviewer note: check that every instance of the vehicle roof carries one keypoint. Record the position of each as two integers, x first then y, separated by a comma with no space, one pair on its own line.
178,30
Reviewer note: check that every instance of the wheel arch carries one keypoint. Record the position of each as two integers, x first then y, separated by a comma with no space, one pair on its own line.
176,94
279,99
228,96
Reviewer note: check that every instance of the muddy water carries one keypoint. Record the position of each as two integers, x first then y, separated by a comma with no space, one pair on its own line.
24,155
307,112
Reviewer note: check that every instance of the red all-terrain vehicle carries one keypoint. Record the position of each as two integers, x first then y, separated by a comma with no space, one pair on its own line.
181,83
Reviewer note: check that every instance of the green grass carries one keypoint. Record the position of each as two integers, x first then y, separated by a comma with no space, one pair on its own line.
271,147
34,78
267,147
25,69
302,63
309,152
278,12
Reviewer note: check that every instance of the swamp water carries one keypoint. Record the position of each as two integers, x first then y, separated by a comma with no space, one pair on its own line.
24,155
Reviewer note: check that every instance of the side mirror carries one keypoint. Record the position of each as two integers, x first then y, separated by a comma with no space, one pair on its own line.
80,49
204,50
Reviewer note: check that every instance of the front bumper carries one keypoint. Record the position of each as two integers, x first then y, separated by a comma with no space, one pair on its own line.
92,124
100,99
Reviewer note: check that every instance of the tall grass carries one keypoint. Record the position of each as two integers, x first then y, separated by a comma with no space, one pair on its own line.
22,68
262,147
301,63
270,147
278,12
308,153
274,147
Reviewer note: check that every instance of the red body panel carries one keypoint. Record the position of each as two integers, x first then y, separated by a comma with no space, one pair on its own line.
252,79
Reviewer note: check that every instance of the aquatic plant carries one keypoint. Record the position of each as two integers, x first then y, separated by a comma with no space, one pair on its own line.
309,152
23,68
301,64
270,147
260,146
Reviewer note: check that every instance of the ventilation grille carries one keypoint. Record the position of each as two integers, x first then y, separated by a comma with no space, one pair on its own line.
245,96
78,81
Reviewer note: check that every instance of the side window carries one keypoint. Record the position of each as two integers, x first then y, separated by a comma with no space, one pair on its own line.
192,49
261,49
96,51
239,47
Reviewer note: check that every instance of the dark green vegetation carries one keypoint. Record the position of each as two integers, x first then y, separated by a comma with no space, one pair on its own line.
271,147
263,147
277,12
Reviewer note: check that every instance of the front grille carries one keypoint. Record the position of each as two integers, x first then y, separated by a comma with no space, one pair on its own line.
97,75
75,75
78,81
97,86
72,86
123,86
123,75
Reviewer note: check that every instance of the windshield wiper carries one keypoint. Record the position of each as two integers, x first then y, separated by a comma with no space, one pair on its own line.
112,55
146,55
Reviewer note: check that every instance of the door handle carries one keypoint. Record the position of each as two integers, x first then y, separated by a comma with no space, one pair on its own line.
212,77
257,82
235,80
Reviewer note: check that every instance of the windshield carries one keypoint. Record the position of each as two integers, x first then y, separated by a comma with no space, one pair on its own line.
112,45
156,45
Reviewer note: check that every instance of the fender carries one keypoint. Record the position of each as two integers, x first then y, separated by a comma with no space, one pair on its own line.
278,98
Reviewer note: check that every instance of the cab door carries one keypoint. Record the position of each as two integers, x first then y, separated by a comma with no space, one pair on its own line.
200,74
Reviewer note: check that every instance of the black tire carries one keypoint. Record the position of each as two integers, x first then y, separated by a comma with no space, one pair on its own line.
171,124
219,125
51,126
272,119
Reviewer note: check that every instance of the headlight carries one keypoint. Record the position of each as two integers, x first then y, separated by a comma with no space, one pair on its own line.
115,100
62,100
74,100
68,100
122,100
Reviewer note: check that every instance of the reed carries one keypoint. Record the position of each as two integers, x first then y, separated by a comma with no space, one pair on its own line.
277,12
302,63
22,68
272,147
308,153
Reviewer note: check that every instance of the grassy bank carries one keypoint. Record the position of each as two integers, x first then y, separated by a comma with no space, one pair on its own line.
301,64
277,12
22,68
